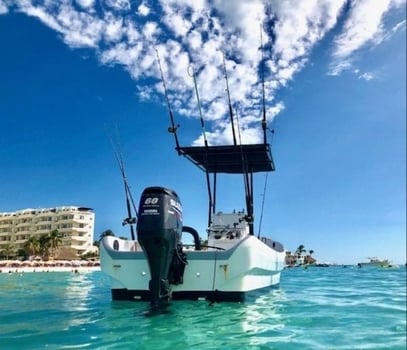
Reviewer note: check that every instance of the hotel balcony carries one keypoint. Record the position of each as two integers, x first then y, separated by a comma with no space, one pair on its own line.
6,233
80,238
63,221
43,231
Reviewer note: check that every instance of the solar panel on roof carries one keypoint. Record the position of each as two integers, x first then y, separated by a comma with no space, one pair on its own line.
231,159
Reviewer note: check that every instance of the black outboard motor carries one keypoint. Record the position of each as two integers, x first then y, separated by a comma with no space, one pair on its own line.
159,230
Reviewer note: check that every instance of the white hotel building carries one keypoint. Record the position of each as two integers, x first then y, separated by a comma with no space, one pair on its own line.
76,224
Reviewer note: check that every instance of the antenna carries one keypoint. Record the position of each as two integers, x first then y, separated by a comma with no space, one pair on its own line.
172,129
230,105
129,198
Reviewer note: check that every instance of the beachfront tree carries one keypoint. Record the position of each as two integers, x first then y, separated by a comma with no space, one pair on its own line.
204,243
309,259
8,250
107,233
21,254
54,239
44,243
299,253
32,246
300,250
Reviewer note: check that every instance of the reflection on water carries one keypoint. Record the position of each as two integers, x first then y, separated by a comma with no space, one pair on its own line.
76,292
76,299
263,318
202,325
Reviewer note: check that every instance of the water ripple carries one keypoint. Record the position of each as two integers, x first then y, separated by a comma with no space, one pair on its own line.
328,308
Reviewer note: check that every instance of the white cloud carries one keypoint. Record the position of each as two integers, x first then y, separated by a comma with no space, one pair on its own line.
131,33
366,76
123,5
245,18
363,26
340,66
86,4
150,30
360,27
143,9
195,5
399,26
198,33
3,7
175,20
41,13
194,40
301,24
113,29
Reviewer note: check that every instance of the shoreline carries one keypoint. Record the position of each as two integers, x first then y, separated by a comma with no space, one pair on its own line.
28,269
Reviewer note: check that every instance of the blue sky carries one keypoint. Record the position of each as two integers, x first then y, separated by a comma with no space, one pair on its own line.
71,71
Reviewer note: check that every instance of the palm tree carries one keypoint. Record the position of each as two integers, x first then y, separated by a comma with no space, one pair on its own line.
44,245
301,249
32,245
54,239
299,254
21,254
8,250
309,259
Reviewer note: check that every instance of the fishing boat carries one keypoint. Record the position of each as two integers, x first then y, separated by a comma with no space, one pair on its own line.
158,266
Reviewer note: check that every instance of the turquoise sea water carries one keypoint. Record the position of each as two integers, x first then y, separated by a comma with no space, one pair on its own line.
314,308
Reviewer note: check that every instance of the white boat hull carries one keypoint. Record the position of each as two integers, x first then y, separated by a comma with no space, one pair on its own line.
209,274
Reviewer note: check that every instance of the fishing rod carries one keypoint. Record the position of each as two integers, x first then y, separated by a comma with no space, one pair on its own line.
263,123
264,120
248,185
230,104
130,220
173,128
208,181
262,205
193,75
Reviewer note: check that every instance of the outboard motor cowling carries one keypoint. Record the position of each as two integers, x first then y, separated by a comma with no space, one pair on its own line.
159,230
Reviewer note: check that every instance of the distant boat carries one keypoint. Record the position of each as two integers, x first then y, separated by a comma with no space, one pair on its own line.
375,262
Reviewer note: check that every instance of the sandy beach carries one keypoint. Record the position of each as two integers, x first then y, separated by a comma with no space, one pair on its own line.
76,266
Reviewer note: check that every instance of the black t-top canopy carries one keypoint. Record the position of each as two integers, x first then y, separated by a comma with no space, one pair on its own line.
237,159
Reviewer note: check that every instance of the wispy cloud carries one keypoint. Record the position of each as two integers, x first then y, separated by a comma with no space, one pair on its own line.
3,8
363,26
366,76
194,34
399,26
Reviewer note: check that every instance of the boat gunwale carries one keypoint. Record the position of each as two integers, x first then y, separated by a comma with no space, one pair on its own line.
191,254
